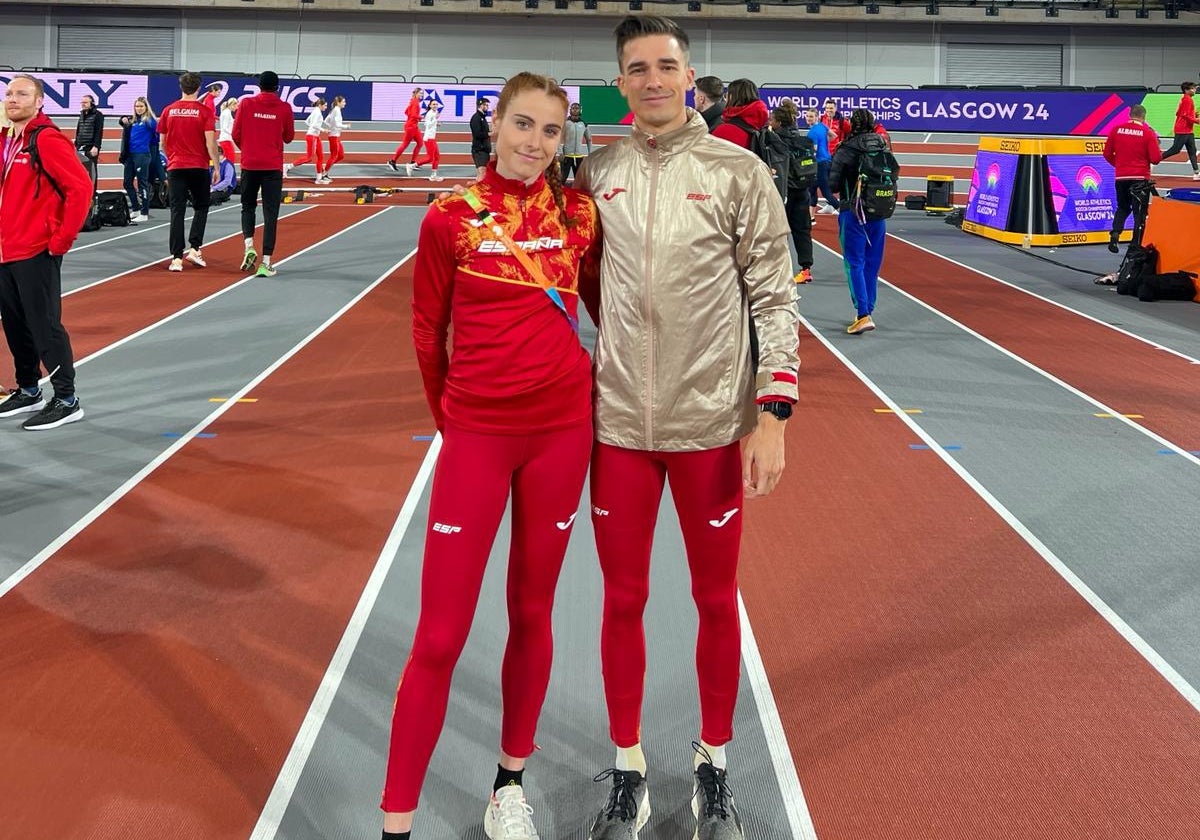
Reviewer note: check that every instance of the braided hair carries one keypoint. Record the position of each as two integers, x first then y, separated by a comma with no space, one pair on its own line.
521,83
862,121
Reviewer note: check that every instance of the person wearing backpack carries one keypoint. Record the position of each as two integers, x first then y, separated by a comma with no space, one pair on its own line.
744,114
45,194
864,174
820,135
800,174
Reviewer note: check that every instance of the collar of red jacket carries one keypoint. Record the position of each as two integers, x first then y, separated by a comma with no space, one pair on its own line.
516,188
39,118
755,113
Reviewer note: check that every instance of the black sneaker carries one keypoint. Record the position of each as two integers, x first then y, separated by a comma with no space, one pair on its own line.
627,809
392,166
56,413
717,817
18,402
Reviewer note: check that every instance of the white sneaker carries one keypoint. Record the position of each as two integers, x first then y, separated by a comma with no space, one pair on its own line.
433,176
193,256
508,815
144,217
408,168
287,167
1196,176
829,210
176,265
326,180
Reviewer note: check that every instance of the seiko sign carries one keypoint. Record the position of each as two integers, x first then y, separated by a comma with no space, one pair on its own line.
65,91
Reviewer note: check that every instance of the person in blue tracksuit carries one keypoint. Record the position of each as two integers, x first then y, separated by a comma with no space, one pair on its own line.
862,238
139,147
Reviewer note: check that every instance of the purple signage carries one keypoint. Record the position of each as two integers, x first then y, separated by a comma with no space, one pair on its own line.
1084,193
299,93
65,91
991,189
972,111
389,99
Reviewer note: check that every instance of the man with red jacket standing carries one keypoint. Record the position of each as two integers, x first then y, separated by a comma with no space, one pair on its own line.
1132,148
1185,121
186,126
45,194
263,125
412,130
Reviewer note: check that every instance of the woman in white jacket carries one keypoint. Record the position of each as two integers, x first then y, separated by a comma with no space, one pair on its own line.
312,141
431,156
335,126
225,129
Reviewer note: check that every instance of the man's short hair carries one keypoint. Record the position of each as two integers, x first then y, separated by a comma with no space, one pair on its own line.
88,96
214,86
1186,86
483,100
189,82
38,87
639,26
1137,112
268,80
711,86
812,111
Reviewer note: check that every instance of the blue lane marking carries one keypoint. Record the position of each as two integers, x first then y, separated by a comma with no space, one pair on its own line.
1172,451
950,447
423,437
179,435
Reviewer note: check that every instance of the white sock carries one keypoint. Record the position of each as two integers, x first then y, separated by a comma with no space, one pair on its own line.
266,260
716,756
249,242
631,758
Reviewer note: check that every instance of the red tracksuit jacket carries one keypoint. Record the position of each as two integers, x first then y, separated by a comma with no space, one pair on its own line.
1185,115
33,218
1132,148
516,366
261,127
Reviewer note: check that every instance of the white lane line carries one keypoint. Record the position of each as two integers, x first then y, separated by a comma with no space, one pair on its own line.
1190,694
140,229
163,259
168,319
293,766
927,136
1010,284
133,481
794,803
1104,409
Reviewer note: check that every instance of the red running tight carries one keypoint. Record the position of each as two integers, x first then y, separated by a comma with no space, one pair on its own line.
474,476
411,135
432,155
626,487
312,150
336,152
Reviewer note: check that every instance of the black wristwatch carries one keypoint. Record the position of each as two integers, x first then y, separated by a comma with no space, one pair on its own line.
782,410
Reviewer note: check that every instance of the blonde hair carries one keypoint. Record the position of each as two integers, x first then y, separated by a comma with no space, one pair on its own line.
523,83
149,115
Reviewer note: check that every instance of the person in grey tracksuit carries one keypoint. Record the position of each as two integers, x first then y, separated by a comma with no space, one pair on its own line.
576,142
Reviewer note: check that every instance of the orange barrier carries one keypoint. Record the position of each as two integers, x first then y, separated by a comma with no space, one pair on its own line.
1171,227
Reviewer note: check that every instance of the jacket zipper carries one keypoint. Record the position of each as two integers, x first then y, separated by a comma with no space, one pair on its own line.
647,263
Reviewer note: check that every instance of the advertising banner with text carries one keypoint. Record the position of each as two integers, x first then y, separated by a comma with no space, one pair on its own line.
389,99
299,93
973,111
65,91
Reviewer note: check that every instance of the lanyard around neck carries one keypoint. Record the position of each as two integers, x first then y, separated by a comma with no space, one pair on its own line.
484,215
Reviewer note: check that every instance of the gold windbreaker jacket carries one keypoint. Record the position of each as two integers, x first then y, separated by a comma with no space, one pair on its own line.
695,246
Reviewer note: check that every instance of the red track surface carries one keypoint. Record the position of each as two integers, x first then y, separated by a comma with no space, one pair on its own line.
936,678
1158,385
156,669
98,316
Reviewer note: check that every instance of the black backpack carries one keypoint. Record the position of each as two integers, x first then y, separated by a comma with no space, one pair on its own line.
112,207
35,160
1141,261
878,173
802,169
774,155
1174,285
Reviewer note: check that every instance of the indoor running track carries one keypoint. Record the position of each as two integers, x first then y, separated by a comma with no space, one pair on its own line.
975,621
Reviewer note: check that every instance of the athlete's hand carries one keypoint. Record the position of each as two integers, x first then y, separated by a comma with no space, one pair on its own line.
762,456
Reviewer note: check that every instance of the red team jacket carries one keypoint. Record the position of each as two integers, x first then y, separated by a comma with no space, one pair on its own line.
516,365
412,115
261,127
1185,115
1132,148
33,218
184,123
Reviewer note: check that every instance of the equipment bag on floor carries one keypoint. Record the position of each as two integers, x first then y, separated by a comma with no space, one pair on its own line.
1140,262
1175,285
113,208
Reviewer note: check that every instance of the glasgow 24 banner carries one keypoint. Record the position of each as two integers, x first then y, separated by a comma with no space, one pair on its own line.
973,111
